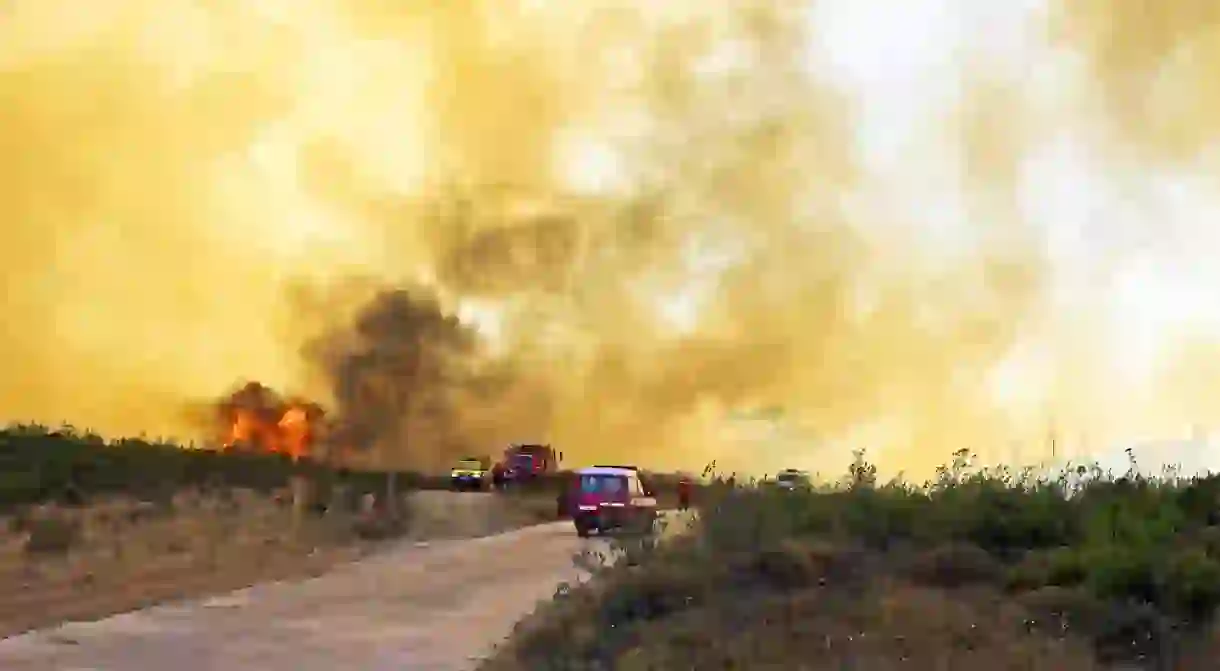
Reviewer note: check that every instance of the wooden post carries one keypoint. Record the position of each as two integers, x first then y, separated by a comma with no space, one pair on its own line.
300,491
340,500
391,494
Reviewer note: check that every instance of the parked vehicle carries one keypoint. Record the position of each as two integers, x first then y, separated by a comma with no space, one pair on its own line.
470,473
791,479
611,499
523,461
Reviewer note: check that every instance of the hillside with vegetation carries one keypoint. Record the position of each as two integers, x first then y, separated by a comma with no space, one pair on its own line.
40,464
979,568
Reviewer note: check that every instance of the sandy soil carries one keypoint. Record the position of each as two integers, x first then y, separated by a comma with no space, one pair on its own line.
126,558
440,605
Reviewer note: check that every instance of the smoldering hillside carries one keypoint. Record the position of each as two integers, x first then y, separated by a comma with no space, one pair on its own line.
655,204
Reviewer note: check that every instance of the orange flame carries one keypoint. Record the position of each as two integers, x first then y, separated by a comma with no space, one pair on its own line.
295,432
255,418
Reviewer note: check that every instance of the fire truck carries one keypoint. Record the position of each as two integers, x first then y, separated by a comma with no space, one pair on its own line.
523,461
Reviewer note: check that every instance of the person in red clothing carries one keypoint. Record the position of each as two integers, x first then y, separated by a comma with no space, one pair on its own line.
684,493
497,476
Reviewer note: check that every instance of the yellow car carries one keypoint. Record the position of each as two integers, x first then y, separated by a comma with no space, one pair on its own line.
470,474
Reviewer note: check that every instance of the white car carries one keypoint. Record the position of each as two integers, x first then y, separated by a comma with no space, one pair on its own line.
792,479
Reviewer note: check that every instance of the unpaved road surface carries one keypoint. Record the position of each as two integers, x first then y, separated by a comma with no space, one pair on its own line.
435,606
129,555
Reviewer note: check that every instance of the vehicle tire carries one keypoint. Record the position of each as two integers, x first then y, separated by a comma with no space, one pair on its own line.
583,528
642,526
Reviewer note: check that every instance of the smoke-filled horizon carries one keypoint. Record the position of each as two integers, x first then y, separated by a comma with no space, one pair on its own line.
458,226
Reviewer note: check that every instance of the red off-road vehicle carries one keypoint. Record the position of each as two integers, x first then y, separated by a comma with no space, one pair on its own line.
608,498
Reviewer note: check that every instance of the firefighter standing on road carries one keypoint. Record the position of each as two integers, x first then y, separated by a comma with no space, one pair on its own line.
684,493
497,476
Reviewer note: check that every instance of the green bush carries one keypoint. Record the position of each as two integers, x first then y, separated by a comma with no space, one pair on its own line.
1057,567
39,465
1130,562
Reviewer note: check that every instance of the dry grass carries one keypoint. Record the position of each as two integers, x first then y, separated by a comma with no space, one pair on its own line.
60,563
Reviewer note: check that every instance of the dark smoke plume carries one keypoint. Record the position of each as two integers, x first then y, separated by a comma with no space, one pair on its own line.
400,375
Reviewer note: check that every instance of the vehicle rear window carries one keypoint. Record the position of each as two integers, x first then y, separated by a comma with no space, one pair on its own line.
471,464
602,484
536,451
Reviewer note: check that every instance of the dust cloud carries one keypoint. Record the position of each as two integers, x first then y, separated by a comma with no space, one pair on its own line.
460,224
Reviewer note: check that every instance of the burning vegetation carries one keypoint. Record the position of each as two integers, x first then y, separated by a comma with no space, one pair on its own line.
404,381
256,418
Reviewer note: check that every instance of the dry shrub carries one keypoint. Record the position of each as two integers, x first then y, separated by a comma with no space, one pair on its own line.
378,527
955,565
530,509
53,534
978,567
119,553
894,627
1126,632
785,614
794,564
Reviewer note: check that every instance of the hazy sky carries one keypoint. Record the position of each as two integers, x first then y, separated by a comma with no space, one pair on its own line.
1132,242
169,167
1150,227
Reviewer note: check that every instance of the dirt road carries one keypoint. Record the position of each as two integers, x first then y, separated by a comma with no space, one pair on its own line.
441,605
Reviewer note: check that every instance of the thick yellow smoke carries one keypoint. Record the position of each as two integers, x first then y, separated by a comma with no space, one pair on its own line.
1154,78
171,174
1156,65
